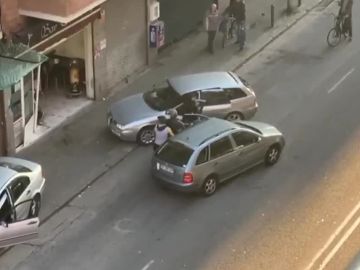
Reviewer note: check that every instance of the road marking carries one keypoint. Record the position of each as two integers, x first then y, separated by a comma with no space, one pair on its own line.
334,235
341,80
147,266
339,244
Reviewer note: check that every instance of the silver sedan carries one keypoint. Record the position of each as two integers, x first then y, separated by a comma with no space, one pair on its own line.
225,95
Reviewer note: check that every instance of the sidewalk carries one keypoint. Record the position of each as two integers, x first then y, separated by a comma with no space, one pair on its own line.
80,151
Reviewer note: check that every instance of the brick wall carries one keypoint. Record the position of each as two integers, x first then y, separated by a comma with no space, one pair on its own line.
10,18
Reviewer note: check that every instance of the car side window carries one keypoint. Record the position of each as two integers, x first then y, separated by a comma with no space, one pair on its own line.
18,186
220,147
5,208
214,97
235,93
244,138
203,156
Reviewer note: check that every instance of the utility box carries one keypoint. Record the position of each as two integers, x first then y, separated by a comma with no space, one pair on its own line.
157,34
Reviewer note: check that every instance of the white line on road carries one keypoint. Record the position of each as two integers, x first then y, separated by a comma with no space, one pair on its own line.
334,235
339,244
341,80
147,266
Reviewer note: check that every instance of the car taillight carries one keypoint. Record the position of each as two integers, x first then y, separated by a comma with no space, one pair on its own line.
188,178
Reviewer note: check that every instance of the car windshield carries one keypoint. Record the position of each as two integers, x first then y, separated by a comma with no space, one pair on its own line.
14,167
175,153
162,98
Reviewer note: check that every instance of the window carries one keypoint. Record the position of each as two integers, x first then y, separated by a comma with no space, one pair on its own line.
234,93
18,186
162,99
5,208
14,167
220,147
203,156
175,153
243,138
214,97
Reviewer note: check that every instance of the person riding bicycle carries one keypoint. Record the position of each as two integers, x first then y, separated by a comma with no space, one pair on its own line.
345,13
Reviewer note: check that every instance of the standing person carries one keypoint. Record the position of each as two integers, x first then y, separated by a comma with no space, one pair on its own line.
212,20
239,12
162,132
346,13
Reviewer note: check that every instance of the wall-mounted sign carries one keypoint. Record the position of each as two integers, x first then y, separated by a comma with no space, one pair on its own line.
37,31
157,34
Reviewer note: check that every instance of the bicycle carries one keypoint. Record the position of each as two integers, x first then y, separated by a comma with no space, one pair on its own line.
337,32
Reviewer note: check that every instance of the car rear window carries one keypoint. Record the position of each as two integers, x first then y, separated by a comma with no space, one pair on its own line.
15,167
175,153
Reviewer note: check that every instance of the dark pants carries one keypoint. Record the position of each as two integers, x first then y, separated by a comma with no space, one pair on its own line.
211,38
348,25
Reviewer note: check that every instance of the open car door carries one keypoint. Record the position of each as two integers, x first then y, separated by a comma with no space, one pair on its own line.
18,232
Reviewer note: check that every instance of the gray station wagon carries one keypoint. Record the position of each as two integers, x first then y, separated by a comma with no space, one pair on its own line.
203,156
224,95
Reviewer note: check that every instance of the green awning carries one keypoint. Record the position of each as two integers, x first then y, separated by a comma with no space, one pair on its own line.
16,61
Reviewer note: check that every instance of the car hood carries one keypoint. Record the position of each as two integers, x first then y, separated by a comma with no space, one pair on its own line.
265,129
131,109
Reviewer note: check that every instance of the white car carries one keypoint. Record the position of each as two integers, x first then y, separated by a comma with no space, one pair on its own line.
21,188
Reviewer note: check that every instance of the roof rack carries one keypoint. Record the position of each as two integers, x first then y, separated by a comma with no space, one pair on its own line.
215,135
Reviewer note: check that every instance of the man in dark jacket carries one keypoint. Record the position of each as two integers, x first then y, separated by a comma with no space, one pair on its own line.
239,13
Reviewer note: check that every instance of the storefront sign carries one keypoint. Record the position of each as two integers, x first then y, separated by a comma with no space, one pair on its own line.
38,31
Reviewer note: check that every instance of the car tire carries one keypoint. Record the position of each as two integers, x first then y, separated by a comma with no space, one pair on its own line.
209,186
234,116
35,207
272,155
146,136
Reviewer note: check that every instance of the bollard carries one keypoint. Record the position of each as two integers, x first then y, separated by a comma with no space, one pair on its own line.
299,3
272,15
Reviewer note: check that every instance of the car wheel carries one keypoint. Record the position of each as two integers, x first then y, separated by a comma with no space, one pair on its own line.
234,116
146,136
210,185
35,207
272,155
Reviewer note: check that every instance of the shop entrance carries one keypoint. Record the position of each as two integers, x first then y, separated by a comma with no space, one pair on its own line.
66,82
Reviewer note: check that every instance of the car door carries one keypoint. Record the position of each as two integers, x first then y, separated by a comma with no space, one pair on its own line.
18,232
19,189
223,158
217,103
248,149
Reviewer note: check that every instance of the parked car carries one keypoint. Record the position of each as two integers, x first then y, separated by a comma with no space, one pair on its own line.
21,181
203,156
224,94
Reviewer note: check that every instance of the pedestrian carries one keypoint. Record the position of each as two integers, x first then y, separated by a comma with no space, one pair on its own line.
162,132
174,122
346,13
212,20
239,12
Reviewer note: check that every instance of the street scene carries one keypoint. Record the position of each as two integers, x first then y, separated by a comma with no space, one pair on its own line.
231,146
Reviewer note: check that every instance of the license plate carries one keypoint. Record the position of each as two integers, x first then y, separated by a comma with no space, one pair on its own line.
164,168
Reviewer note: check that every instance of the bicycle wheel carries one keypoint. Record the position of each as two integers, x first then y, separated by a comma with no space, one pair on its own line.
333,37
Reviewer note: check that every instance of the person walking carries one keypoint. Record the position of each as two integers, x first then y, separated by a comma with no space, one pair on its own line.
162,132
239,12
212,21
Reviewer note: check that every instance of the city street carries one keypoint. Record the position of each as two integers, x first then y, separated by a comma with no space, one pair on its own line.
285,217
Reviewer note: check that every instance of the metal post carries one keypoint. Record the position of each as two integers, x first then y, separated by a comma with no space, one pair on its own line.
272,15
22,106
37,98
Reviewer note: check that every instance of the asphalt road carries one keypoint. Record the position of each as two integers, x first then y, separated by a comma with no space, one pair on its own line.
277,218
